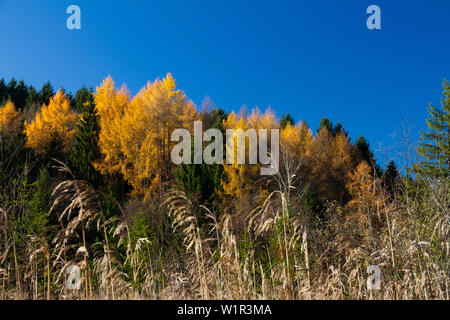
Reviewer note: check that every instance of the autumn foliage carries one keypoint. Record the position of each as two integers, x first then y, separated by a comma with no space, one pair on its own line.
54,121
135,133
9,119
87,180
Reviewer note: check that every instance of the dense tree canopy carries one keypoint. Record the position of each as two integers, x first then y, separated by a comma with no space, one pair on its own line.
88,180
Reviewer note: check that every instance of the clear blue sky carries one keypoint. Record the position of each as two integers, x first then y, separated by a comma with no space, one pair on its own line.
309,58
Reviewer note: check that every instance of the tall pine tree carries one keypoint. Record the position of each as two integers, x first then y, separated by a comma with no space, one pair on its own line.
46,93
81,97
362,151
85,148
391,180
327,124
201,181
434,146
285,119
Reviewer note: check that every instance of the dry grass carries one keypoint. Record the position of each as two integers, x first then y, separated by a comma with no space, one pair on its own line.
281,255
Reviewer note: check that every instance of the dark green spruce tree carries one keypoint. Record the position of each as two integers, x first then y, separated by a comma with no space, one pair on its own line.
32,97
201,182
3,96
327,124
285,119
46,93
434,144
361,151
85,148
20,95
338,129
39,203
391,180
82,96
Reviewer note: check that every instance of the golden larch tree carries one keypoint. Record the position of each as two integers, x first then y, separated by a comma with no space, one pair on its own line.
9,119
367,203
135,134
330,163
244,180
55,120
110,104
319,164
341,164
236,176
295,147
296,140
156,111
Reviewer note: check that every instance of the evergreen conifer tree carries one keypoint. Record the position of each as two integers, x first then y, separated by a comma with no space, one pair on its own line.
391,179
327,124
285,119
46,93
434,146
362,152
85,148
81,97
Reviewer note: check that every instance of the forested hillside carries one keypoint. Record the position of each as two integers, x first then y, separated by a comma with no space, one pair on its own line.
86,179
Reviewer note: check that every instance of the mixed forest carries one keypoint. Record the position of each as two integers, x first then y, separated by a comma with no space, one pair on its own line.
86,180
